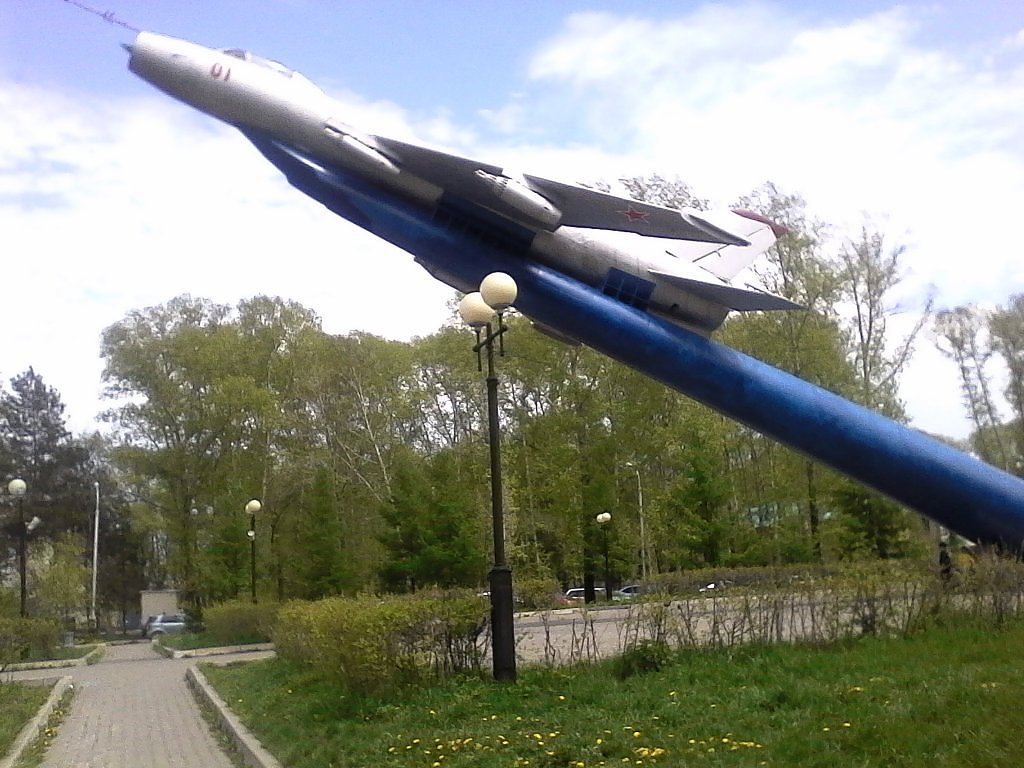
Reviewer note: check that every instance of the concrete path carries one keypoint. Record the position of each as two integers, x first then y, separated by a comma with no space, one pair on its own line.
133,709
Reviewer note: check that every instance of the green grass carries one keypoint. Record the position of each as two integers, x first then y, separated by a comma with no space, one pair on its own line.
34,755
946,697
18,704
62,653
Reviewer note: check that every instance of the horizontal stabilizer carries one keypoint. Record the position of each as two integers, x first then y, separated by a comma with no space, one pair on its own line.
739,299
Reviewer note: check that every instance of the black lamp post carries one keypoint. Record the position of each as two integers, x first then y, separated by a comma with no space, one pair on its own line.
17,490
497,292
251,508
603,520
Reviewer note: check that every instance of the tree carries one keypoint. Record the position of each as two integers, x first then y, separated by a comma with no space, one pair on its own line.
36,446
62,584
959,336
869,276
872,524
808,344
433,527
1006,330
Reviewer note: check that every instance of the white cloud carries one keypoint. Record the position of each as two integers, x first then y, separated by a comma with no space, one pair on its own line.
123,212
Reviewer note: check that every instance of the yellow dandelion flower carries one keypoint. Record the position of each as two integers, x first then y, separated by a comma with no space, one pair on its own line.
637,734
847,725
826,729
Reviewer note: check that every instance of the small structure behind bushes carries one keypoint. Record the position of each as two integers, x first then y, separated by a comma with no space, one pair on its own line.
369,644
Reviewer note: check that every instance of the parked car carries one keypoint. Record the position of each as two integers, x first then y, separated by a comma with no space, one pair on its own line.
628,592
578,594
165,624
716,586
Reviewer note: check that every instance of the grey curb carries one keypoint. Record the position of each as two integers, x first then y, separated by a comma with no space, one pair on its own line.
57,663
31,731
252,751
193,653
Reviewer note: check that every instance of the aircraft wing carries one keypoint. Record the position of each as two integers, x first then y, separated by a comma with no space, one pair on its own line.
454,174
578,206
591,209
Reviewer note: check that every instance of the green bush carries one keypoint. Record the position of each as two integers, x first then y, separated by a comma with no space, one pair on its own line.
645,657
369,644
236,622
537,594
22,638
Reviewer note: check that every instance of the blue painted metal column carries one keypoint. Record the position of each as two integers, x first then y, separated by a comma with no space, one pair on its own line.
968,496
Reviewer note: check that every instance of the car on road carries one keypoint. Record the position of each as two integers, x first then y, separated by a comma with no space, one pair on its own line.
628,592
716,586
165,624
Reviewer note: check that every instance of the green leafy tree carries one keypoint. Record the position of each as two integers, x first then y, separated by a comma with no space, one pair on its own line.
873,525
432,526
62,582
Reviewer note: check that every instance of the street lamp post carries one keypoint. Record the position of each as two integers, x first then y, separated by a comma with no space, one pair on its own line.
251,508
497,292
17,489
603,519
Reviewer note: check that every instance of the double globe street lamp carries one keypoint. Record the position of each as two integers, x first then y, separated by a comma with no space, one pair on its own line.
17,488
251,508
478,310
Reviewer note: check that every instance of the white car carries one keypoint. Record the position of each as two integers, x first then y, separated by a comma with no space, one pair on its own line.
165,624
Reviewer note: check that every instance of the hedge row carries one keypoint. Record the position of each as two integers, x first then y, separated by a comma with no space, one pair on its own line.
238,622
369,644
21,638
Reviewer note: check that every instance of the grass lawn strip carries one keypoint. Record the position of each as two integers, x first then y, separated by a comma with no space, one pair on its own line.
29,716
948,696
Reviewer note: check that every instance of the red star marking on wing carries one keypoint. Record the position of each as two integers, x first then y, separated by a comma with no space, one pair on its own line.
633,214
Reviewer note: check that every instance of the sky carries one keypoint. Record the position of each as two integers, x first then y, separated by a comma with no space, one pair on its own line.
114,197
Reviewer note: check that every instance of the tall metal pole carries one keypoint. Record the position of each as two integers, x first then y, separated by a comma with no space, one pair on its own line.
643,529
500,577
95,554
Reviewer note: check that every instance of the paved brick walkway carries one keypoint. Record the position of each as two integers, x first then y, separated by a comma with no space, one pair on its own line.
133,709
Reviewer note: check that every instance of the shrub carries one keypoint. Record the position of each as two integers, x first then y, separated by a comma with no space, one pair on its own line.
369,644
21,638
537,594
236,622
644,657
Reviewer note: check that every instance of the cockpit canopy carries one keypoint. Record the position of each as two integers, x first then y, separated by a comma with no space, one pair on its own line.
277,66
296,77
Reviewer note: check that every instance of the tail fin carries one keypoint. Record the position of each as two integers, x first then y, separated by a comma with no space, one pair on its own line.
728,260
